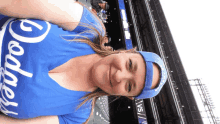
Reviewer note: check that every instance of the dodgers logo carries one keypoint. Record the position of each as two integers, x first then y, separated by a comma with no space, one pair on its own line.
15,49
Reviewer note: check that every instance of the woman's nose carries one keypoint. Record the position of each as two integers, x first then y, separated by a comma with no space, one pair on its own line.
121,76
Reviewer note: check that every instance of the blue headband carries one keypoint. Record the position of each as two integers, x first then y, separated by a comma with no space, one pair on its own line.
151,58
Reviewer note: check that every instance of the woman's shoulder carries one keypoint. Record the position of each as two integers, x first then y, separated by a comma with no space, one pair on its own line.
90,25
93,20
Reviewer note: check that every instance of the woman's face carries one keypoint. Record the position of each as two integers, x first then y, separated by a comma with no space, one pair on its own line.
120,74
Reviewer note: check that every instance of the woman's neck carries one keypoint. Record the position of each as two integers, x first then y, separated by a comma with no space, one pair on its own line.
80,71
76,73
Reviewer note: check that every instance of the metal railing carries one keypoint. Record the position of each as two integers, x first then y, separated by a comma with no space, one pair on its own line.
163,56
140,46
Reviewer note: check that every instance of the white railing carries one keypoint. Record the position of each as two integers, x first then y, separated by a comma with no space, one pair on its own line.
162,53
140,46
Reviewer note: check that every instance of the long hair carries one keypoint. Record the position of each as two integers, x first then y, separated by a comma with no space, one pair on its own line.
102,51
97,46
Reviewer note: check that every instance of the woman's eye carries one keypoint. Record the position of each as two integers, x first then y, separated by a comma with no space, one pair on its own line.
130,64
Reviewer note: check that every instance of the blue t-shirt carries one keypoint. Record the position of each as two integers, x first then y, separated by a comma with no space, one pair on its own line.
29,49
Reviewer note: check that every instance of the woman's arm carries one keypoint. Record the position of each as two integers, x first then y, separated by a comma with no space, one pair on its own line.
59,12
39,120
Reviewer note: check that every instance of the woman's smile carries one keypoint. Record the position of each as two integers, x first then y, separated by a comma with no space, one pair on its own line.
110,76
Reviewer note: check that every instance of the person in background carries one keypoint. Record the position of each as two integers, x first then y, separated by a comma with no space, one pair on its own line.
98,5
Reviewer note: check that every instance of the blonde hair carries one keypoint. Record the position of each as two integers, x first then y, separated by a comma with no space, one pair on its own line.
97,46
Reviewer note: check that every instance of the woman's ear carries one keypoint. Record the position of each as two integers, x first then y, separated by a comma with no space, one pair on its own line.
105,40
135,48
108,48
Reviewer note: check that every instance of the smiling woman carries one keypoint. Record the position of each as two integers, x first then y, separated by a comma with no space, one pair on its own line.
120,74
47,71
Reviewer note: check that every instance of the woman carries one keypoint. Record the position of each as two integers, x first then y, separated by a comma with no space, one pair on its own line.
46,70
